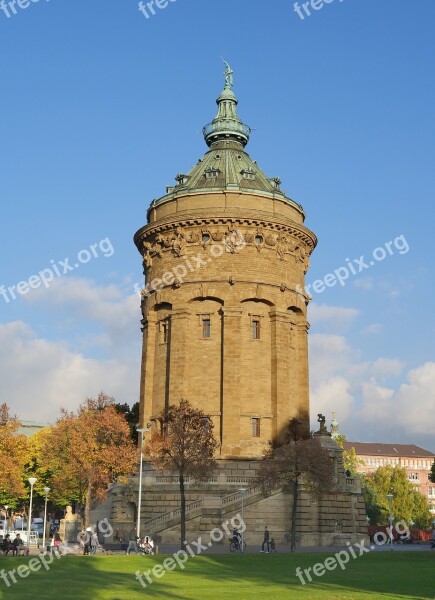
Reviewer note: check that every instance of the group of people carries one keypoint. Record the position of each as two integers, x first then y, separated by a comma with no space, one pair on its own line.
138,545
268,542
89,541
16,546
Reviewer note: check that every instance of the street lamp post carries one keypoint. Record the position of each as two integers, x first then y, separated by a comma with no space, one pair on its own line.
242,491
7,518
390,501
142,431
46,490
32,481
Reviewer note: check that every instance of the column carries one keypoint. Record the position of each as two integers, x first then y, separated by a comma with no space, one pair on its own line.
303,397
231,391
178,384
147,371
282,389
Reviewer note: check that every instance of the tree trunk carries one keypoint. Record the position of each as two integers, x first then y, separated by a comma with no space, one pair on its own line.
182,513
88,504
295,486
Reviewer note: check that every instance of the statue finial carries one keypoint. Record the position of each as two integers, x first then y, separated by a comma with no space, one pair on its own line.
229,82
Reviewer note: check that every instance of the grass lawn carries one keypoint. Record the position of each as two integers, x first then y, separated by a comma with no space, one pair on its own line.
380,575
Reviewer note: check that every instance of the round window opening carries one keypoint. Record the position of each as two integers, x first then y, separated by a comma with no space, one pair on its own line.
258,239
206,237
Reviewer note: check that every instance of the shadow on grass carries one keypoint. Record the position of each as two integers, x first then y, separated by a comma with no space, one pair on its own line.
396,575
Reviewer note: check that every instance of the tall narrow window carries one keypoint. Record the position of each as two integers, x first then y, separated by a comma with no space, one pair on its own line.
165,331
255,427
206,328
255,329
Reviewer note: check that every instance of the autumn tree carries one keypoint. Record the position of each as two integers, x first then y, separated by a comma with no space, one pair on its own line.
351,461
38,465
297,462
185,446
407,504
86,451
13,457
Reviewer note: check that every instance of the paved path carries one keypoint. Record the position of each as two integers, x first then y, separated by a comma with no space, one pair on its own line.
217,549
224,549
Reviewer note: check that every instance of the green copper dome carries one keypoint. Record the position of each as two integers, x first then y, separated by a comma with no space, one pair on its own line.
226,165
227,125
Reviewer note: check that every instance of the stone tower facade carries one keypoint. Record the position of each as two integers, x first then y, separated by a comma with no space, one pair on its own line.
225,253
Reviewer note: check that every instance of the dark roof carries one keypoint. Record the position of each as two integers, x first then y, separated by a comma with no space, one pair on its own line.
407,450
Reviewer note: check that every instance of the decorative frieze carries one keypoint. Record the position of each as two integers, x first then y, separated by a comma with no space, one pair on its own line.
288,243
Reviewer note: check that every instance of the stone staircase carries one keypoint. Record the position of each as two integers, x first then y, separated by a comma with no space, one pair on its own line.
218,506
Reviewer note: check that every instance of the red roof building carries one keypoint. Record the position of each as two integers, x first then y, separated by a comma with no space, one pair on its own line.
415,460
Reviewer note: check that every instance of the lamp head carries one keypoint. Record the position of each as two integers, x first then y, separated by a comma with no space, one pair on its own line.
390,497
143,429
46,490
32,481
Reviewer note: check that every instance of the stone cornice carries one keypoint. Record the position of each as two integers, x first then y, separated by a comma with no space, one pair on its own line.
157,296
257,219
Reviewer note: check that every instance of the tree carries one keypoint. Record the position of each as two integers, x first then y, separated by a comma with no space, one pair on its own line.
88,450
13,457
131,415
432,473
292,464
351,461
185,446
407,504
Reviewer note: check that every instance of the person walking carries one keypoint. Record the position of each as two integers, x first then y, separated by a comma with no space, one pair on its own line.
56,542
133,541
94,541
433,537
265,540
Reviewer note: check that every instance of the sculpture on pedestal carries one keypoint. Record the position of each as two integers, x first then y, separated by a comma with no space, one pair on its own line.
70,525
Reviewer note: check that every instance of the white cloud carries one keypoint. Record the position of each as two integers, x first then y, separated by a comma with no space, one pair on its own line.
367,409
335,317
77,301
40,376
375,408
330,355
374,328
386,367
414,402
332,395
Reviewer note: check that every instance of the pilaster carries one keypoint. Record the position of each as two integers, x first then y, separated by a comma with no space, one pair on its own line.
230,397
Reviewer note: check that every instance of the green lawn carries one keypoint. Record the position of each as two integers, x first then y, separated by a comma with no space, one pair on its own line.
384,576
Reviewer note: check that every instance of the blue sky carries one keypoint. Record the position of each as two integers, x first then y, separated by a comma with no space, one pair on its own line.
103,107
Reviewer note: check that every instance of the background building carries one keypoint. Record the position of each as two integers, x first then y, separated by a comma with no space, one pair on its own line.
416,461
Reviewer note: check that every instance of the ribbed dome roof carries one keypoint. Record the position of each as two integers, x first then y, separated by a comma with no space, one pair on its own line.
226,165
